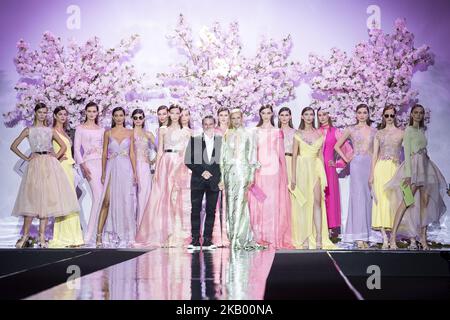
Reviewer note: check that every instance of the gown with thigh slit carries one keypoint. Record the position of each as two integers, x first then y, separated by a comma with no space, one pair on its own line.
120,226
310,172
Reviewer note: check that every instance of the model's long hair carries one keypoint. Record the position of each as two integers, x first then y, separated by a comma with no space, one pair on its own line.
382,125
411,120
91,104
55,113
330,122
135,112
290,124
174,106
163,107
189,123
116,109
361,106
37,107
272,121
302,122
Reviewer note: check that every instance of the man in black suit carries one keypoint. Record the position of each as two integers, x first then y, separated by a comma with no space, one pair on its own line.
202,157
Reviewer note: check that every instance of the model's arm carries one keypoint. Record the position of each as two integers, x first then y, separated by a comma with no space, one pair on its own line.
105,153
62,145
14,146
295,152
133,157
407,148
339,144
376,150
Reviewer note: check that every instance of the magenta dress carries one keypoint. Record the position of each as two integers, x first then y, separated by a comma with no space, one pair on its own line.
271,218
88,148
142,147
120,227
165,221
332,195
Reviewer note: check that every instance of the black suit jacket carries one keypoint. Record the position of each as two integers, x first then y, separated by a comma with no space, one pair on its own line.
196,159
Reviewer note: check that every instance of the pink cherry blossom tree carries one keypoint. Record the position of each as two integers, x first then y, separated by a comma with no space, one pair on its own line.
73,75
214,72
378,72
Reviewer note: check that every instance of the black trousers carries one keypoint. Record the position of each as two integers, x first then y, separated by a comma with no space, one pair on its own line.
211,203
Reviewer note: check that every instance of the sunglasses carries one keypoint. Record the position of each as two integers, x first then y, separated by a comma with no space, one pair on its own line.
392,116
138,117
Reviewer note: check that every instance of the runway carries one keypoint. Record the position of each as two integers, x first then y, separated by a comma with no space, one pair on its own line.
222,274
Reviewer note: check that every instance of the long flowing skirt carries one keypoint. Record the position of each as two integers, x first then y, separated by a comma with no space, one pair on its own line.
359,218
96,187
144,187
383,209
310,171
120,226
166,219
427,176
332,198
67,229
238,216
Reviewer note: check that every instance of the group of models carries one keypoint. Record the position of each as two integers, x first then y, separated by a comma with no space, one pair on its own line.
257,187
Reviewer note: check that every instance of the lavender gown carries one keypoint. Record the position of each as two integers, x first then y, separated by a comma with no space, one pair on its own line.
120,227
359,219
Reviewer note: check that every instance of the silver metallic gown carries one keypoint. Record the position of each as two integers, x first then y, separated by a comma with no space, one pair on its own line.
238,163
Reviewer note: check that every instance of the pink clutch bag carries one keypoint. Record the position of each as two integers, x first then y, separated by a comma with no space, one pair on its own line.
257,193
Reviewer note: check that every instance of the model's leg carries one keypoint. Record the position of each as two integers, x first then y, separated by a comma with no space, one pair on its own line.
398,218
102,216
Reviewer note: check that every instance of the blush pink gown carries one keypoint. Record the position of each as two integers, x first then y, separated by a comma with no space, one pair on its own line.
142,147
271,218
166,219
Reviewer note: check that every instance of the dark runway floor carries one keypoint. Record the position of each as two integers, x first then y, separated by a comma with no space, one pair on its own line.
176,274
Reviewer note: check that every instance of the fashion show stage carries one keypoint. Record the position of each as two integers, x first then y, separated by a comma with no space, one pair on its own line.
222,274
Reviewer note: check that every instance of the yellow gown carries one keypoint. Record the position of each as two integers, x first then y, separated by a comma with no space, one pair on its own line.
383,206
67,230
310,170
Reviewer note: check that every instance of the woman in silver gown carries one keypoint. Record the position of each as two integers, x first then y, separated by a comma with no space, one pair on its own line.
238,164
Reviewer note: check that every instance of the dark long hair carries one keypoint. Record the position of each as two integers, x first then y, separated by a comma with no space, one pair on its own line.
363,105
272,121
382,125
174,106
138,111
116,109
37,107
91,104
411,120
291,125
55,113
302,122
330,122
163,107
189,123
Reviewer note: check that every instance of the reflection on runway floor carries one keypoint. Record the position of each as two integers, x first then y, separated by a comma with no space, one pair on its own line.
174,274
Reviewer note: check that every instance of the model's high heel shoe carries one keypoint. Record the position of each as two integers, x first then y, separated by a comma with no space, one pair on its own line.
42,243
22,242
99,241
319,243
424,244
